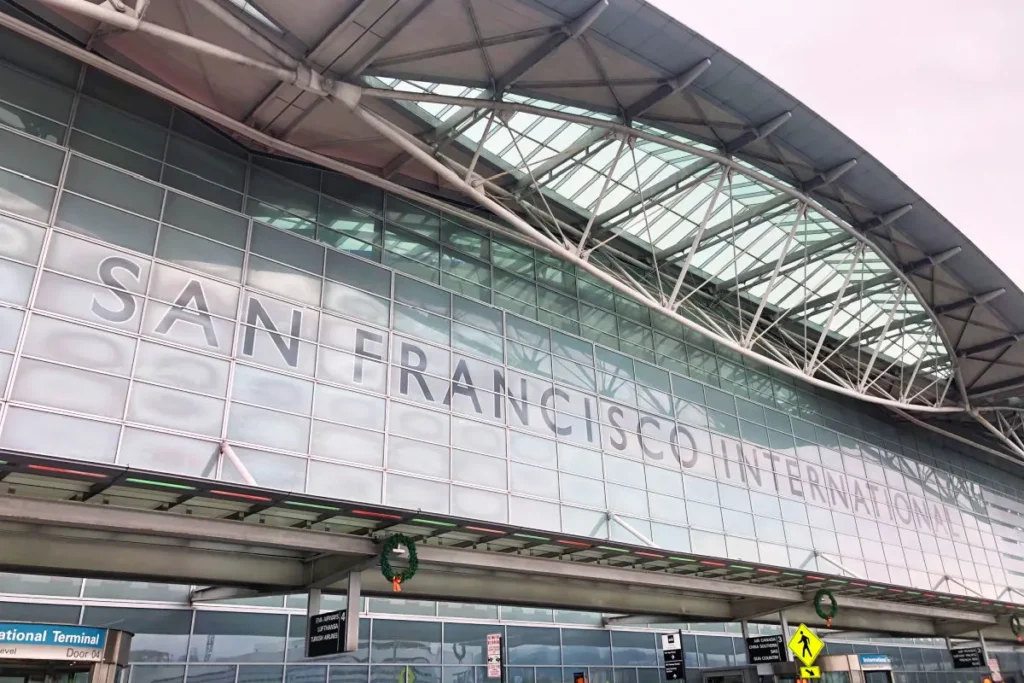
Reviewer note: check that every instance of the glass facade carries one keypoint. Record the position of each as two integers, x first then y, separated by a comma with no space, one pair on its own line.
163,290
262,640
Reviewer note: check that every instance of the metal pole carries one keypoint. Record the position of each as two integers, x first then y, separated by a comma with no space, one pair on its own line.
648,542
355,599
984,646
250,34
312,609
785,634
243,471
128,22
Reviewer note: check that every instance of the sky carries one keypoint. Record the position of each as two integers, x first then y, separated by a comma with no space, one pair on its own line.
934,89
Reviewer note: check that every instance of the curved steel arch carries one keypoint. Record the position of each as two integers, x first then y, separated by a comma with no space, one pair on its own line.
623,282
508,109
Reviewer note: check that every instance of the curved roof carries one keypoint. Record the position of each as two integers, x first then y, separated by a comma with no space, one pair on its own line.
577,94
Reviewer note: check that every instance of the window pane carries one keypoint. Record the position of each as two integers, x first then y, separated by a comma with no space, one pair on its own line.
406,641
234,636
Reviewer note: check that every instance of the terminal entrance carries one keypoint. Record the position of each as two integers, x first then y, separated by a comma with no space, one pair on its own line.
30,671
61,653
834,669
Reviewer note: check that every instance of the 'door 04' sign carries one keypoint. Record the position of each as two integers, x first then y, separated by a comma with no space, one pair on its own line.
51,641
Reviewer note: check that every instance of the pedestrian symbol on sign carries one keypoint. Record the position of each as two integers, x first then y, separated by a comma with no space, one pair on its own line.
805,645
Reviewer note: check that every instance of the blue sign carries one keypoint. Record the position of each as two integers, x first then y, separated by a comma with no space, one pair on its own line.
875,660
52,635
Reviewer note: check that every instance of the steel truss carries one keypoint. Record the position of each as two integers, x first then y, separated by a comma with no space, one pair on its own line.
693,219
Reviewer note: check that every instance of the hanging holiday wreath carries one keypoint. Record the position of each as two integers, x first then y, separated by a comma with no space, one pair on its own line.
390,545
1017,627
833,609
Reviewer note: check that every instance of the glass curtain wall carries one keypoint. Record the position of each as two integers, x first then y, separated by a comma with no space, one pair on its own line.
164,288
437,642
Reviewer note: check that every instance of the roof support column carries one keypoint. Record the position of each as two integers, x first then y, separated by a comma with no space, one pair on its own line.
696,242
775,274
835,309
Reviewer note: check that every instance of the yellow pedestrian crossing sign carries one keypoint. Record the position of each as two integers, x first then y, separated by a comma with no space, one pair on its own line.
805,645
808,672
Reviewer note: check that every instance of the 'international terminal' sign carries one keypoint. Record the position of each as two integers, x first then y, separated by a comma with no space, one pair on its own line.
51,641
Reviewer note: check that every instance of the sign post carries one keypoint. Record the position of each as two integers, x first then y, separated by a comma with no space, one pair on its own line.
324,634
675,658
766,649
806,647
493,656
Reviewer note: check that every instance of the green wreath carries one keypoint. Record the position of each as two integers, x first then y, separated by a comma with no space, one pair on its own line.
390,545
833,610
1016,626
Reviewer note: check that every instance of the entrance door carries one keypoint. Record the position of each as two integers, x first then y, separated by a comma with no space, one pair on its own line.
44,672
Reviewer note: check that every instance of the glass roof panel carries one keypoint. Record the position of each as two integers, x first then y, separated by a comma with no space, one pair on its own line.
745,254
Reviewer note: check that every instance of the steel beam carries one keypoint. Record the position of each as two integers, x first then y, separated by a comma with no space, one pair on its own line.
995,344
938,310
759,133
215,593
750,214
656,190
761,271
350,95
591,137
570,31
78,539
828,177
886,218
667,89
867,285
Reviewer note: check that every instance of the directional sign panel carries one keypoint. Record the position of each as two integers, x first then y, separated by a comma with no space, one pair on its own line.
675,658
766,649
967,657
810,672
805,646
324,634
493,655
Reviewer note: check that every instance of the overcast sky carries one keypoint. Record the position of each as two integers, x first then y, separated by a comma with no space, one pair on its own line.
934,89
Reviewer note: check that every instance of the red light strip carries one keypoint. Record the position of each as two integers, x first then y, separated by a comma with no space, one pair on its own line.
243,496
578,544
61,470
767,571
643,554
895,590
485,530
929,595
814,578
378,515
858,585
709,563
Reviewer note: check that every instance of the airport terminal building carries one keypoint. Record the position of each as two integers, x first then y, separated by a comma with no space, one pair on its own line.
561,272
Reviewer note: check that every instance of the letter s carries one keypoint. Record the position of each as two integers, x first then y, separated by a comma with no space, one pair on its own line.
108,278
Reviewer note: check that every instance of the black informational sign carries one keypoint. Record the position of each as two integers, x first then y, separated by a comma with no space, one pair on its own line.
325,634
967,658
766,649
672,648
